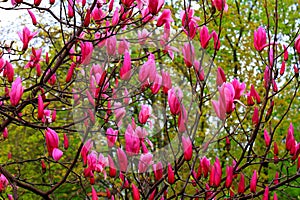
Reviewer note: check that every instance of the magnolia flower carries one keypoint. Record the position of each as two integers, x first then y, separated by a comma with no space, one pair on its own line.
16,92
25,36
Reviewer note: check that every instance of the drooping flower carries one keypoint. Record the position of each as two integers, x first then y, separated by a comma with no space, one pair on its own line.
165,17
32,16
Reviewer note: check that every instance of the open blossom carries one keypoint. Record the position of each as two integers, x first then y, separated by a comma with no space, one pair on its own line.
85,150
260,39
189,22
165,17
16,92
25,36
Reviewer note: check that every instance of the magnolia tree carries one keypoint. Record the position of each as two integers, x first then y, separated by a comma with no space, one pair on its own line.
122,99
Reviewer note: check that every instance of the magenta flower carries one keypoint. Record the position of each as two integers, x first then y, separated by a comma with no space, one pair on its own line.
165,17
127,3
33,19
156,84
260,39
188,52
155,6
182,120
123,47
125,71
267,138
297,44
144,162
217,43
220,5
166,82
171,175
215,174
86,52
255,117
112,136
174,99
135,192
85,150
158,171
187,147
52,142
66,142
123,162
16,92
148,70
241,188
25,36
144,114
221,77
239,88
253,182
111,45
9,72
204,37
132,141
229,176
40,107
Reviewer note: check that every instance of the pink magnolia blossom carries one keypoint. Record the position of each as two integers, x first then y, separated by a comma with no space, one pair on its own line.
199,71
112,168
156,84
220,5
16,92
253,182
125,71
171,175
111,45
97,14
254,94
5,133
239,88
217,43
189,22
112,136
267,138
182,119
32,16
52,142
165,17
148,70
127,3
132,141
25,36
70,8
188,52
174,99
166,82
66,142
205,164
87,19
135,192
94,194
123,46
86,52
155,6
221,77
297,44
119,112
255,117
216,174
266,194
85,150
40,107
123,162
241,188
158,171
3,183
187,147
204,37
229,176
9,72
285,53
260,39
144,114
144,162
